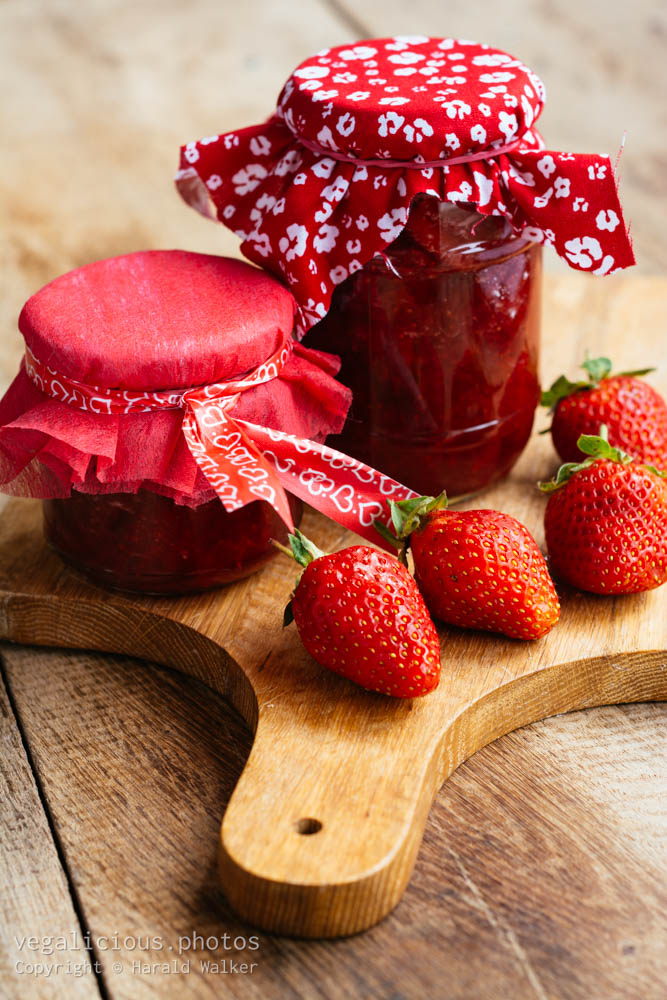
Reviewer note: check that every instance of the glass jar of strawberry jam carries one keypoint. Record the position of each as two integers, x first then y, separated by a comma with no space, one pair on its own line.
439,341
403,191
138,413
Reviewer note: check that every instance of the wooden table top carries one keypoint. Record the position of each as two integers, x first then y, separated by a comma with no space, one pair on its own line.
542,870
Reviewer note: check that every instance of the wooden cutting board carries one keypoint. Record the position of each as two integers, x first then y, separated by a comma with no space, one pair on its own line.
321,833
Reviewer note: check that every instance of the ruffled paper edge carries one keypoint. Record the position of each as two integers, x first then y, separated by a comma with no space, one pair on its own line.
263,161
41,438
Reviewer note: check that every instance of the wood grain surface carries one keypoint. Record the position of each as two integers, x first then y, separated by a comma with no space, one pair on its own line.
101,96
541,873
362,767
34,891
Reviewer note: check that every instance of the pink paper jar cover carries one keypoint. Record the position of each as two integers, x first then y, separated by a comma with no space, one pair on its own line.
141,324
359,130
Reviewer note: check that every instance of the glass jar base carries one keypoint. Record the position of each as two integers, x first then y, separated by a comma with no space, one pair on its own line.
147,586
145,543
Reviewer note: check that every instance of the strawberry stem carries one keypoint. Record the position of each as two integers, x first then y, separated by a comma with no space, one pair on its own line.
301,549
407,516
303,552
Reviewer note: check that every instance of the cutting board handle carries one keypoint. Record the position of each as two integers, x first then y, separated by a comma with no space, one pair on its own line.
322,831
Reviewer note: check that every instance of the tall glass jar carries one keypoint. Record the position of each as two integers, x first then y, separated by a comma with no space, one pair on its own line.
439,339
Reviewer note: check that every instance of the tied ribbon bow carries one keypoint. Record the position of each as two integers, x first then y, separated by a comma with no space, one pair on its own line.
244,462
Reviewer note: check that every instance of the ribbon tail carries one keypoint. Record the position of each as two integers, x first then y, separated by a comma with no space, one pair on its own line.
349,492
229,459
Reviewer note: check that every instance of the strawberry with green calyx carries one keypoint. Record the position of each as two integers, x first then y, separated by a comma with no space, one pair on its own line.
359,613
634,412
606,521
478,569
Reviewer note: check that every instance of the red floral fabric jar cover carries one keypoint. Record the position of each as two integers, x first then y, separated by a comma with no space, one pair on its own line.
177,372
361,129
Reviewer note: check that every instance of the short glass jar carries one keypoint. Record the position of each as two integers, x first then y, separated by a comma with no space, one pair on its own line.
439,341
132,416
147,543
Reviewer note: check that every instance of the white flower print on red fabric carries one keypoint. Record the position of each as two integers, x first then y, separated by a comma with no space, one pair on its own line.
311,72
337,190
260,146
326,238
391,224
464,194
582,251
417,131
346,124
324,167
456,109
562,187
247,179
338,274
294,244
191,153
484,187
406,58
358,52
546,165
607,220
508,125
390,123
323,152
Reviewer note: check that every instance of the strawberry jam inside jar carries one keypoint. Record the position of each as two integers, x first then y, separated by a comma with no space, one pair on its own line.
140,413
439,341
147,543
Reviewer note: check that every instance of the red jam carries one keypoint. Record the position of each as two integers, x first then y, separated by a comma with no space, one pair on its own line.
146,543
439,343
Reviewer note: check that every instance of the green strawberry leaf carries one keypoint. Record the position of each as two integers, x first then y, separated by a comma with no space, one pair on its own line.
406,515
637,373
303,550
597,368
387,534
560,389
564,474
596,446
656,472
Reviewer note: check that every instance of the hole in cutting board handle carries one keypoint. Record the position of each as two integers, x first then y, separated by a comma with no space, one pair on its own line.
306,826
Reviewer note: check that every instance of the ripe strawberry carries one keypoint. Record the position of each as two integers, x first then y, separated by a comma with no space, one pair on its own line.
606,521
634,412
478,568
360,614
